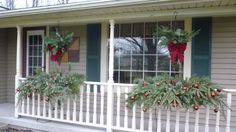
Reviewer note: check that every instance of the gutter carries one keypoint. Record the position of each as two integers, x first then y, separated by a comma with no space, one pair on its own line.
89,5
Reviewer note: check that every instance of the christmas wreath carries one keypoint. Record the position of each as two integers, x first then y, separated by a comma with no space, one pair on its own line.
175,40
173,92
53,86
57,45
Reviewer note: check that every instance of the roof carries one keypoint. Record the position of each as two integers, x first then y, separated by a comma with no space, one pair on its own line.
97,11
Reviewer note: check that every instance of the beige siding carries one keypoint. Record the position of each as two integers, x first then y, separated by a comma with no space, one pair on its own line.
11,65
224,56
79,31
3,43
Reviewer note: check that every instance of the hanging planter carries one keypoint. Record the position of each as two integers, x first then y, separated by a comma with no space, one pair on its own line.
57,45
176,41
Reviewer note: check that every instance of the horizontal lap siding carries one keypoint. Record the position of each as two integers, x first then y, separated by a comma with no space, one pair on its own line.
79,31
3,44
224,56
11,64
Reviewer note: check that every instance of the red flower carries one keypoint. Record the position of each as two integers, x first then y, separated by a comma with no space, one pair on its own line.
50,47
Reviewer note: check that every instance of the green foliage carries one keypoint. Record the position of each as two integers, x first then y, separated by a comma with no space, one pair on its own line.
58,41
54,86
178,36
171,92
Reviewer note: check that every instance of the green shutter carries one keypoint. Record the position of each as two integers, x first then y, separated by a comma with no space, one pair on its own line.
201,47
93,52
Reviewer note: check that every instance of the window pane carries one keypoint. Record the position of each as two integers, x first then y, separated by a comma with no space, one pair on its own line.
116,76
30,61
138,30
30,40
124,77
150,63
137,75
150,46
150,29
35,51
30,50
163,63
137,62
35,39
150,74
116,62
125,30
40,40
125,62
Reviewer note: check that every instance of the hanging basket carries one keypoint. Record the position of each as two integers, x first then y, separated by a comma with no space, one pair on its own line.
176,51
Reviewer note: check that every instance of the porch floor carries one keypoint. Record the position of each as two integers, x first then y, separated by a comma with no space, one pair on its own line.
7,117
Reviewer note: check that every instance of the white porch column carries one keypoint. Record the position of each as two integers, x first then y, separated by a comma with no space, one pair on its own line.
188,51
18,65
110,80
47,65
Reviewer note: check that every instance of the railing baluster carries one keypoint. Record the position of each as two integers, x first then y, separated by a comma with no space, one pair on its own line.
134,118
23,106
168,121
68,110
207,120
142,119
150,121
33,104
49,110
81,104
39,106
159,120
196,127
186,129
88,102
177,120
62,110
44,106
28,105
56,109
102,105
126,109
74,108
217,129
95,104
118,107
229,99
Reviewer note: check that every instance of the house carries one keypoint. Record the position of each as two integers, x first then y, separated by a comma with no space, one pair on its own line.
123,29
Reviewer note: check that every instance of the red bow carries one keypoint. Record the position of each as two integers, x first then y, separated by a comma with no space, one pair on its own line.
176,50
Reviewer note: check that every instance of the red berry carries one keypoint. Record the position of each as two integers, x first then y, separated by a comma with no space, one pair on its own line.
146,94
215,110
144,109
213,94
132,97
196,85
177,94
18,90
175,104
158,83
218,90
145,83
185,88
158,102
195,107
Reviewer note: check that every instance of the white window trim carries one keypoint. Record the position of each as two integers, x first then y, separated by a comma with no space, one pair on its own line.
34,32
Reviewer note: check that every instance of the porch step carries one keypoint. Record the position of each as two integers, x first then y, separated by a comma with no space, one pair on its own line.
3,126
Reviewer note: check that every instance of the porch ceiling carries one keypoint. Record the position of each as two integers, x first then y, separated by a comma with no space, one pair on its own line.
122,10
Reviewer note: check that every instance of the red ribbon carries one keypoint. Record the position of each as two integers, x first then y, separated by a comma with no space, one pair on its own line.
176,51
57,56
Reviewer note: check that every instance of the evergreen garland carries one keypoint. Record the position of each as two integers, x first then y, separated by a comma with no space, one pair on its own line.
53,86
173,92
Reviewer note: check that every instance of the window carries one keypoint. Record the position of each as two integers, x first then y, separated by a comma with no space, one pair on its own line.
138,53
35,56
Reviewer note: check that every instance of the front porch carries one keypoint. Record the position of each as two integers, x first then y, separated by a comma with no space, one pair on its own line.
90,111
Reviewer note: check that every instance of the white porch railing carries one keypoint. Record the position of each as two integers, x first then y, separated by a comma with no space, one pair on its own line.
90,109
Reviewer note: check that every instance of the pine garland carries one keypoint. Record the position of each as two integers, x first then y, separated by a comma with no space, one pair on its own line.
173,92
53,86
